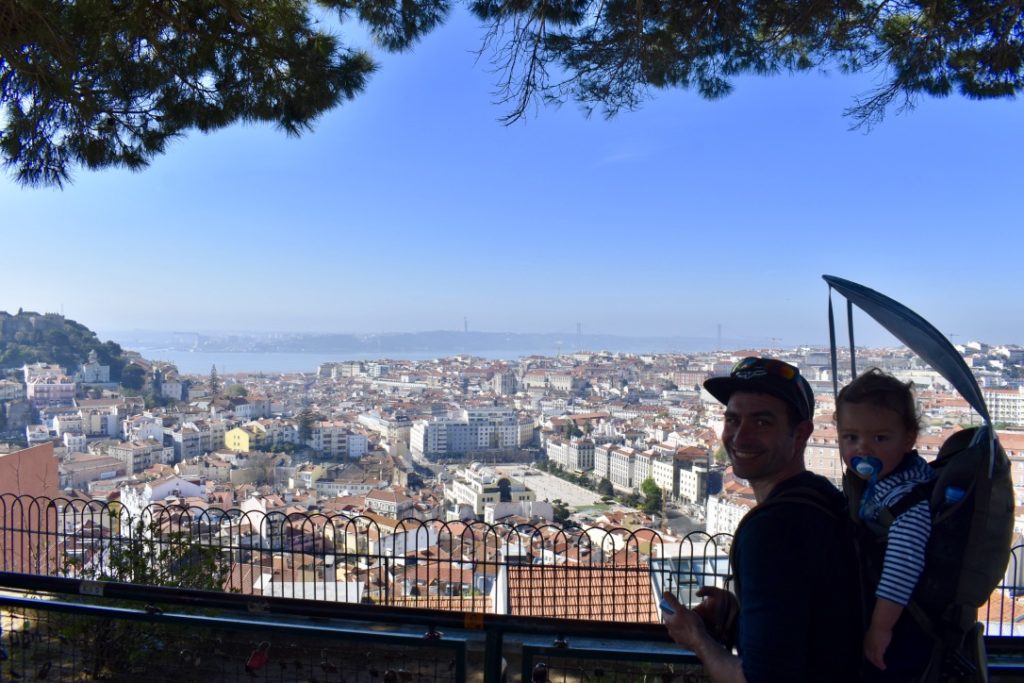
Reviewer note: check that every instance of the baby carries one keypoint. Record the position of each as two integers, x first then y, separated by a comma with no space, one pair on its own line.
878,423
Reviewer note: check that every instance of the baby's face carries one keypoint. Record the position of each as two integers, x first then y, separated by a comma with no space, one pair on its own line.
868,430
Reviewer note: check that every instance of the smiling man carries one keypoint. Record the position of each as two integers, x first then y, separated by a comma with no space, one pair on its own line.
793,561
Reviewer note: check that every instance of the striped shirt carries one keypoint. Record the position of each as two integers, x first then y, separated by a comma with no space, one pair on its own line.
908,534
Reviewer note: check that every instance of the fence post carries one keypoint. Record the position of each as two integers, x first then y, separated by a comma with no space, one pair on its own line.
493,646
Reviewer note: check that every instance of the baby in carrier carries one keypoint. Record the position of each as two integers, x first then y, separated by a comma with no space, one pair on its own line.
878,424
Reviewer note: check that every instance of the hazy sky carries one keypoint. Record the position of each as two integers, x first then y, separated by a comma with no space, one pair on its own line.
412,207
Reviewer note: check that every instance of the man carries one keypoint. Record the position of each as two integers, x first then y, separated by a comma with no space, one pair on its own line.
793,559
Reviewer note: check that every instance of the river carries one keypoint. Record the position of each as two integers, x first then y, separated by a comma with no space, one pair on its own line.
200,362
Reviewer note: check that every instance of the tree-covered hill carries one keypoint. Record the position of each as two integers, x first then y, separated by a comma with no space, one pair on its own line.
28,337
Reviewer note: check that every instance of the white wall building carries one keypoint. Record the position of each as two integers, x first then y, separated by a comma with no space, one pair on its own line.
725,512
475,429
1005,405
478,487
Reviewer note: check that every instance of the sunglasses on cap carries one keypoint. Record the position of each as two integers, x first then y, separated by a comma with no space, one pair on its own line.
751,367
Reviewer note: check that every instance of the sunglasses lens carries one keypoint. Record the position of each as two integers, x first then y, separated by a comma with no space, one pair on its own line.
766,365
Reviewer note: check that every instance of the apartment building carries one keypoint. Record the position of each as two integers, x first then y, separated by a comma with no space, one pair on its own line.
142,427
665,474
395,430
211,433
139,455
573,455
80,470
1005,405
50,390
602,461
11,390
724,512
337,440
471,430
185,441
822,453
390,503
243,439
620,468
642,467
504,384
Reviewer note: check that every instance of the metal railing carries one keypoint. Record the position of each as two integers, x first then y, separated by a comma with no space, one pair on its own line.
329,591
514,569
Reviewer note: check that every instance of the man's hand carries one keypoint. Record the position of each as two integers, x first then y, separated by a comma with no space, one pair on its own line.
718,611
684,625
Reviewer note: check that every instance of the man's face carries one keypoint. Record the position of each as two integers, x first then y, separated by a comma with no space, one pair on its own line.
761,444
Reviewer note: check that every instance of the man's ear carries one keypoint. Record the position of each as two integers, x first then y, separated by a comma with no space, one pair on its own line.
803,432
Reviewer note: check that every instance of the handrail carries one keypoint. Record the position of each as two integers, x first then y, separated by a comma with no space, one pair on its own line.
318,609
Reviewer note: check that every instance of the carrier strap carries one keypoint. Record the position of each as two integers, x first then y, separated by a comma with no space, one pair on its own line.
921,491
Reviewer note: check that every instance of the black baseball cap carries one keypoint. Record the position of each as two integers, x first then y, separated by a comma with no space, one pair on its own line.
766,376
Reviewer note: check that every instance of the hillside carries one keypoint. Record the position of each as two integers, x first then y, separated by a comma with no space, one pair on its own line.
28,337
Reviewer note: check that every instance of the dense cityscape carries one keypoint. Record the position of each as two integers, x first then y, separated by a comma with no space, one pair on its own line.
594,440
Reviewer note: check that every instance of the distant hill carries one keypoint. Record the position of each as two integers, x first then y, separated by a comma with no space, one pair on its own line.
439,341
28,337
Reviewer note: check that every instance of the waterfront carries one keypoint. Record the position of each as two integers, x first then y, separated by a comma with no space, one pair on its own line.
200,362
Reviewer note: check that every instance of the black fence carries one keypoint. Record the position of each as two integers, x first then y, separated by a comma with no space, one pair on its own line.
514,569
333,597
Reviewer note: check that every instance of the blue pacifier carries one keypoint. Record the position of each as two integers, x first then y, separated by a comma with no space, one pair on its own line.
866,466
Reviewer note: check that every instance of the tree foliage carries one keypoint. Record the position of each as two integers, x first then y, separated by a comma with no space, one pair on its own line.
146,556
560,511
213,383
108,84
306,420
652,496
133,377
608,54
28,337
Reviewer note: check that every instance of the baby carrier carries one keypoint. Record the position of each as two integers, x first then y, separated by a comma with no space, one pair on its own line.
971,501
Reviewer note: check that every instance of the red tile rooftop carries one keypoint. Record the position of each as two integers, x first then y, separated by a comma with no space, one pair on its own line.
599,593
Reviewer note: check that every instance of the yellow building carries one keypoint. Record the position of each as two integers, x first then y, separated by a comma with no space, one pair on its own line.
241,440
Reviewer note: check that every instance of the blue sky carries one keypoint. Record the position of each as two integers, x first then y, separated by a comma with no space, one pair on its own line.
413,207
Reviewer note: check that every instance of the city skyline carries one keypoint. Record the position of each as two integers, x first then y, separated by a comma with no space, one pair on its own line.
412,208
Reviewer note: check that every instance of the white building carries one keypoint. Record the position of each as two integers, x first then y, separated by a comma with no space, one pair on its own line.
620,468
663,472
11,390
725,512
471,430
1005,405
336,439
602,461
478,488
575,455
139,455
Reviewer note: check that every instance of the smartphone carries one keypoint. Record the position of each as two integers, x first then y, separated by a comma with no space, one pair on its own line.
666,607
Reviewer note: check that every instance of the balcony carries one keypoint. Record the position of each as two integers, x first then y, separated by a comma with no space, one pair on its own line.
317,597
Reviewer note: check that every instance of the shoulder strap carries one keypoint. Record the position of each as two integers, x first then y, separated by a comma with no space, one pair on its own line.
806,495
922,491
802,495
